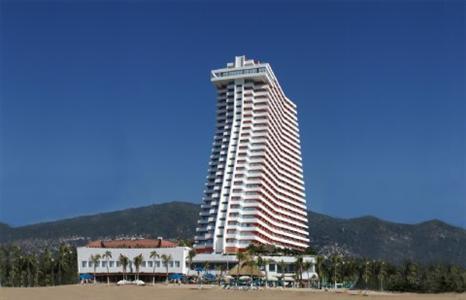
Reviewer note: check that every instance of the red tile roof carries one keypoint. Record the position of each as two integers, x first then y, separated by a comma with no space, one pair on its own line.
143,243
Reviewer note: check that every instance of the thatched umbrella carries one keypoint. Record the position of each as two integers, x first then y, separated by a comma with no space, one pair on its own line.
246,270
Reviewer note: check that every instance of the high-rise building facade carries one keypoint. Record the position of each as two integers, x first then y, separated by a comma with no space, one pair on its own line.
254,192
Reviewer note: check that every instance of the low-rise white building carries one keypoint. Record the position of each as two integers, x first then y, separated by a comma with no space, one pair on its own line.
217,263
149,267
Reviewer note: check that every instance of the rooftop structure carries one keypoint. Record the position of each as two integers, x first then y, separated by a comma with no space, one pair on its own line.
137,243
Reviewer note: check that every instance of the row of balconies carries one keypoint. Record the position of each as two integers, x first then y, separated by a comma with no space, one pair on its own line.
253,158
291,207
291,211
257,168
260,207
286,133
258,146
274,182
279,214
292,152
278,237
277,169
279,221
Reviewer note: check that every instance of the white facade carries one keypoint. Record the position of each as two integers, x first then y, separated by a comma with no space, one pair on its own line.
271,271
255,190
177,265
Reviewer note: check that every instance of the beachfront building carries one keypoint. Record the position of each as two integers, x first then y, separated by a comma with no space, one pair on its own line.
150,266
254,193
276,269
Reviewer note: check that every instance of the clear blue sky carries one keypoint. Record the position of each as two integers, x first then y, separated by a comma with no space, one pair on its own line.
107,105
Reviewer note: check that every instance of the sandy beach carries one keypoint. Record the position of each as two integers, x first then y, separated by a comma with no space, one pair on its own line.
104,292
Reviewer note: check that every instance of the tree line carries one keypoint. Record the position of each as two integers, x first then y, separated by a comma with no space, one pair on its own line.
380,275
362,273
20,268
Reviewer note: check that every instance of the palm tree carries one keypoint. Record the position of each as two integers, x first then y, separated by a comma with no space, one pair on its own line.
95,259
259,262
250,262
206,270
411,271
154,255
191,255
219,271
241,257
14,262
185,243
299,269
137,263
319,269
166,259
266,262
124,261
48,265
206,267
107,255
37,270
336,261
382,274
348,270
29,262
62,261
367,273
52,265
263,263
306,266
282,266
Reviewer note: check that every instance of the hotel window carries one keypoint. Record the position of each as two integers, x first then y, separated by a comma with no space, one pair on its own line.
104,264
143,264
84,263
89,264
177,263
157,264
171,264
151,264
97,264
118,264
111,263
272,267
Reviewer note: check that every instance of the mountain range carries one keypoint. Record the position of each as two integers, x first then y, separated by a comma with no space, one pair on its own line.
427,242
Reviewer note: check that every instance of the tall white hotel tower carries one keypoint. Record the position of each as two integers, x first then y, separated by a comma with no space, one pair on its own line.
255,190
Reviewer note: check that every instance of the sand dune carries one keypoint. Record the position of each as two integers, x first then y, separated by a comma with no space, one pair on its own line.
103,292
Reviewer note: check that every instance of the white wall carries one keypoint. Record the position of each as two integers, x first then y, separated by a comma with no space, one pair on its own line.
178,254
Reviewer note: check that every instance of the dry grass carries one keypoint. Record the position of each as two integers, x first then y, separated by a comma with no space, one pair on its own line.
104,292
